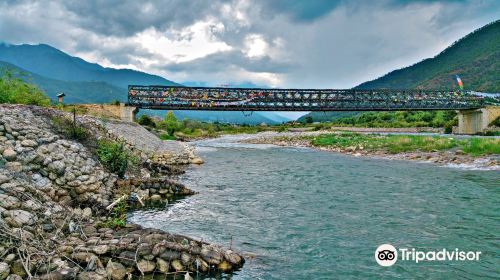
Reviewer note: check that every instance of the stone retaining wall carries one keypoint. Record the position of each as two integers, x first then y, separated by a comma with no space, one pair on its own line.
53,199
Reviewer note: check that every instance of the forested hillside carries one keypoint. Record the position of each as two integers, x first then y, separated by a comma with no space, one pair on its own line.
475,58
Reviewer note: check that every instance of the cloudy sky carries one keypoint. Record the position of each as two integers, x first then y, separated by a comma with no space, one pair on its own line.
277,43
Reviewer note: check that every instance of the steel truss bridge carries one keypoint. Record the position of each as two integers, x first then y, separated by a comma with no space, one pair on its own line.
258,99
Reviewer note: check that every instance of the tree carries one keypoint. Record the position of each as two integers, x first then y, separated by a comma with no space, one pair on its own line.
309,119
170,123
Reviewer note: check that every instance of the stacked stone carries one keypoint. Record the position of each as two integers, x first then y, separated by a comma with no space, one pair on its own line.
30,226
51,193
128,133
186,157
153,189
137,251
63,169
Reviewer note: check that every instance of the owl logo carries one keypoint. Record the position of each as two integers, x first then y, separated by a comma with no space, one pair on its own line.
386,255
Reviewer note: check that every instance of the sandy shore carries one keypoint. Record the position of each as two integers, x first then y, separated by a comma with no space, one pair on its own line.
452,158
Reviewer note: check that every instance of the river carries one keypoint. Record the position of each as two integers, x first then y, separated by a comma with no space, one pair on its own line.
305,214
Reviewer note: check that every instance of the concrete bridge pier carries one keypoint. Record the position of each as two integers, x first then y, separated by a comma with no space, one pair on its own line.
127,113
476,121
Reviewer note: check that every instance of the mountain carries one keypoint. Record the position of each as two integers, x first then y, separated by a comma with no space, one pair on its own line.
475,58
77,92
52,63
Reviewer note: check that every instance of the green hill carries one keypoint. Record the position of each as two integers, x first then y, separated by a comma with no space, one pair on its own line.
475,58
83,82
77,92
52,63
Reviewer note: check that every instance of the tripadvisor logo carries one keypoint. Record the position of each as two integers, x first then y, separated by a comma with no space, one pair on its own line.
387,255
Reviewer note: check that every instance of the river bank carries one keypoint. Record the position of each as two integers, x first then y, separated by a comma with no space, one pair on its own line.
302,213
447,153
63,213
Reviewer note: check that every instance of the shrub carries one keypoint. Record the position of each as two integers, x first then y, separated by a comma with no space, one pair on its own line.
492,133
496,122
113,156
282,128
147,121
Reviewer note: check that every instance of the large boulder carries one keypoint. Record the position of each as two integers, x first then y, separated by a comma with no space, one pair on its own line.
14,277
29,143
177,265
115,270
162,265
4,270
57,166
21,217
9,202
9,154
211,254
146,266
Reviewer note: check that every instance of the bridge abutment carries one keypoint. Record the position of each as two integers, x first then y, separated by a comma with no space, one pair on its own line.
476,121
127,113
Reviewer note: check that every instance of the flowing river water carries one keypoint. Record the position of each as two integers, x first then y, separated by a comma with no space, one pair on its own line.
298,213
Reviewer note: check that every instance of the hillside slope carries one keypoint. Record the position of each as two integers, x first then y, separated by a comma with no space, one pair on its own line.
475,58
76,92
52,63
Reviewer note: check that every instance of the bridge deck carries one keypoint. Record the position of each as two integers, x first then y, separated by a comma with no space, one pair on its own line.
250,99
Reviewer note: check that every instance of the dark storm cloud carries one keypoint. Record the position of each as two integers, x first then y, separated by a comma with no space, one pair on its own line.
124,18
307,11
299,10
318,43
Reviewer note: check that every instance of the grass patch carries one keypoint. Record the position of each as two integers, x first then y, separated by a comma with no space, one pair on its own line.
165,136
70,129
407,143
114,156
118,217
481,146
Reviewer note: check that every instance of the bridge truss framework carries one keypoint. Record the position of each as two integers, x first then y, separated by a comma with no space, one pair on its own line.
258,99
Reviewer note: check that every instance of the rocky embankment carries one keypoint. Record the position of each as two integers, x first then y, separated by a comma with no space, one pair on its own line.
454,157
149,145
57,204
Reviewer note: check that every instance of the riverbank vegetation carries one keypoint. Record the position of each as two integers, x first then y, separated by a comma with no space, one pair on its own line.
170,128
445,119
400,119
406,143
